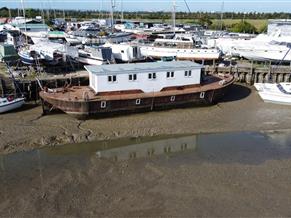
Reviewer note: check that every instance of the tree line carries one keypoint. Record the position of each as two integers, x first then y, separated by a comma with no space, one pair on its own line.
89,14
202,18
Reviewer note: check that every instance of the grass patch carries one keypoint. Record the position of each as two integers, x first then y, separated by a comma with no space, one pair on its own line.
258,23
3,68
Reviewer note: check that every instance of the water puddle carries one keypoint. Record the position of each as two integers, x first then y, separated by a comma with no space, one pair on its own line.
224,148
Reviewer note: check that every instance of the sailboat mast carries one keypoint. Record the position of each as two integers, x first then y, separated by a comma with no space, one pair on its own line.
25,29
112,14
174,16
42,13
9,11
221,15
121,5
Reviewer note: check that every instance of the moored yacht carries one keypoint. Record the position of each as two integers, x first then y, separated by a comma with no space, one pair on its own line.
272,51
29,56
278,93
10,103
183,47
45,51
94,55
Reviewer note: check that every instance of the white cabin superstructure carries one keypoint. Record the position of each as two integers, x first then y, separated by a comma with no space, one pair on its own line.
182,46
147,77
125,52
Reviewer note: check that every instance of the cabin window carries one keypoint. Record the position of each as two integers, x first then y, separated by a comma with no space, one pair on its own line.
103,104
111,78
152,76
170,74
132,77
173,98
137,101
202,94
188,73
122,51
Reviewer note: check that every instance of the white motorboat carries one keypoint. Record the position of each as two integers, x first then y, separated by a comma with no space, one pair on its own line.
182,46
48,52
272,51
10,103
278,93
94,55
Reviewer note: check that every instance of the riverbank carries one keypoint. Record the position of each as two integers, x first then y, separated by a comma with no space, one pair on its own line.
241,110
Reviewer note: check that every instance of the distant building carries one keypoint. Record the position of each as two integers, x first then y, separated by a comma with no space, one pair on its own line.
283,25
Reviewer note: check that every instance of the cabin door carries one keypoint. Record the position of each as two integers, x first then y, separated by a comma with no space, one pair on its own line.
134,52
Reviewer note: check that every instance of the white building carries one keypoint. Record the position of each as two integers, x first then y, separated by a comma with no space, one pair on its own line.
148,77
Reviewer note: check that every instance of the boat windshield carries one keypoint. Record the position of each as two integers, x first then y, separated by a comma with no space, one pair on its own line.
278,43
281,88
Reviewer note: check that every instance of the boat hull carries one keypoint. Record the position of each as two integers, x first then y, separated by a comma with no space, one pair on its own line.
181,54
136,103
270,93
26,60
90,61
15,104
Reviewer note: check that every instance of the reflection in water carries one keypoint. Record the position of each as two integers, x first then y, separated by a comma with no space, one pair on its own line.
279,138
226,148
212,169
148,149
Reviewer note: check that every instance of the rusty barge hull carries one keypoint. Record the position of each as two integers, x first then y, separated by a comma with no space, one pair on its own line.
81,101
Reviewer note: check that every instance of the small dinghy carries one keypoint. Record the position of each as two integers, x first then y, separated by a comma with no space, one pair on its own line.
278,93
10,103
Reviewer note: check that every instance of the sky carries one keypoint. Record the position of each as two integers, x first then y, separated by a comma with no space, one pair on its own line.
158,5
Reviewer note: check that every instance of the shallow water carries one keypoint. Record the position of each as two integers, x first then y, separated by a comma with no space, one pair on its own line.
249,148
34,174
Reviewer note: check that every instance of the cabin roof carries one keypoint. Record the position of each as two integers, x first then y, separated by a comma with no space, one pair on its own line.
33,26
142,67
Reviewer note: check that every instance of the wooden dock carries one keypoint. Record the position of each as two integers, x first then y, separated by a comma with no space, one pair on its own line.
250,74
243,73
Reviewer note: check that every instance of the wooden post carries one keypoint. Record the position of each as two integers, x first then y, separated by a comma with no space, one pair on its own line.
252,72
2,89
270,66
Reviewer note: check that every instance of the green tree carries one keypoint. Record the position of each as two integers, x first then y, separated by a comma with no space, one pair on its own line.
263,29
243,27
205,21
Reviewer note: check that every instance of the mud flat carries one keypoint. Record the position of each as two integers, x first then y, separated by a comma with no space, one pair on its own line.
220,175
241,110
